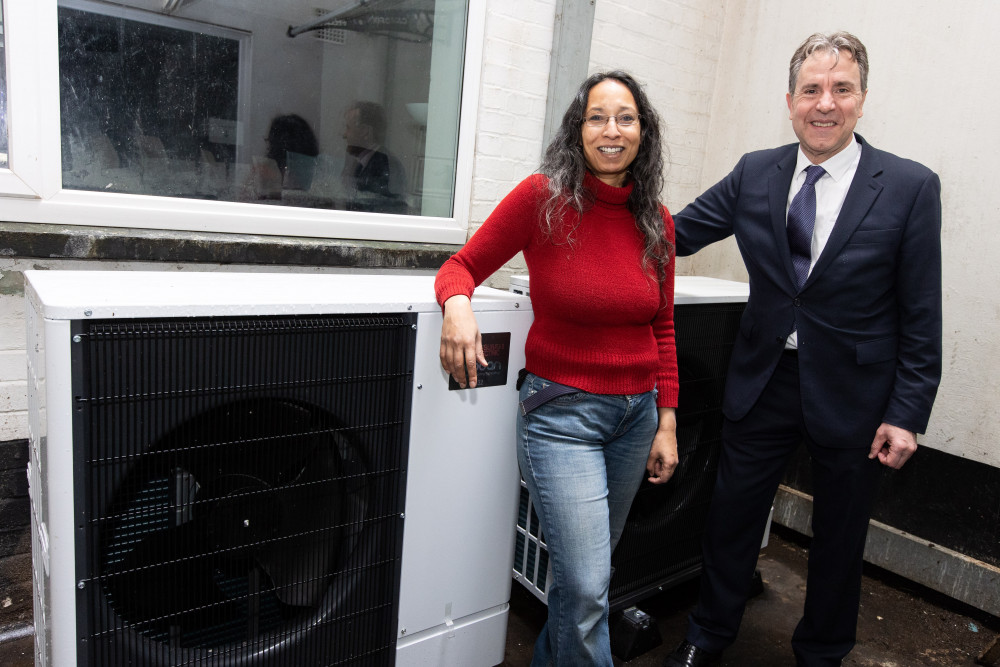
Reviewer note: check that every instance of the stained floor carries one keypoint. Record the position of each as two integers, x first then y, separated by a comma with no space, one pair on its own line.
899,625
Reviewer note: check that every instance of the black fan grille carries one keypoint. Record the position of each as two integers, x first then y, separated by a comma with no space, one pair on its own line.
240,488
661,543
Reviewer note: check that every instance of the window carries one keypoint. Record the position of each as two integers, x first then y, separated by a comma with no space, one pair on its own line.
336,118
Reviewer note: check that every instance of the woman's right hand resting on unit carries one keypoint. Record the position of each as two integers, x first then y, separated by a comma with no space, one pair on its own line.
461,342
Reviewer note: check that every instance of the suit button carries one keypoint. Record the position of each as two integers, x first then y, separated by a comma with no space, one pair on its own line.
797,302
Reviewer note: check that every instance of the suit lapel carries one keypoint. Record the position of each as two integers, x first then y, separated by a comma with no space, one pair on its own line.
863,192
778,185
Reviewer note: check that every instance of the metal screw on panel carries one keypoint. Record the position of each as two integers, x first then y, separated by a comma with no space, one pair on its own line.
77,338
402,631
88,313
409,307
517,304
413,326
420,386
80,584
402,515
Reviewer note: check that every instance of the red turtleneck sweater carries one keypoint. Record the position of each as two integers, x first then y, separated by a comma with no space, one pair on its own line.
601,322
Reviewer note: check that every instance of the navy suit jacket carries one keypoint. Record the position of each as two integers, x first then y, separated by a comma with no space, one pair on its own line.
869,315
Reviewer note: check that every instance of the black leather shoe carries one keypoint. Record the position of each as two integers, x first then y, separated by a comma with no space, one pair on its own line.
689,655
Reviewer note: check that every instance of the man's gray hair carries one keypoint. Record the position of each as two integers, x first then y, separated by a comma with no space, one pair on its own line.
835,43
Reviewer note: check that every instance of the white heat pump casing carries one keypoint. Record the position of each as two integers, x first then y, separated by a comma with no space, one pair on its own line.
461,493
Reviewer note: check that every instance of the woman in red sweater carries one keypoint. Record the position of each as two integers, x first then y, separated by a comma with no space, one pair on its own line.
599,395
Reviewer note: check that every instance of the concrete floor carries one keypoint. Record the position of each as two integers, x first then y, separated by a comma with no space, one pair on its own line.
900,625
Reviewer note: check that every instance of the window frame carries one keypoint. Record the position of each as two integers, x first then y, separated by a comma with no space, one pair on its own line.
31,188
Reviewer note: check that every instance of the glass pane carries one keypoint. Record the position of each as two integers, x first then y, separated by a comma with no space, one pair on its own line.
336,104
3,95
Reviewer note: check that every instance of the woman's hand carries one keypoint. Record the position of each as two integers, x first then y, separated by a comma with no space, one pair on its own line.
461,342
663,454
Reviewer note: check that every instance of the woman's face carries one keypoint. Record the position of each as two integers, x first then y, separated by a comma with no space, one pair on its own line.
609,149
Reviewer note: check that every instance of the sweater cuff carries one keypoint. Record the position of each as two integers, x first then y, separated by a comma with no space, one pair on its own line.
666,394
445,290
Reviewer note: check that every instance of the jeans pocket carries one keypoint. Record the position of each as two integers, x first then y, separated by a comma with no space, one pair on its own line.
569,399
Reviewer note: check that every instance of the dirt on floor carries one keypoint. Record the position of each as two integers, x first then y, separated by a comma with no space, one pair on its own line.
900,624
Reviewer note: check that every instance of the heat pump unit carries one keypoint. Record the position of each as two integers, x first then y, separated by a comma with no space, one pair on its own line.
266,469
661,543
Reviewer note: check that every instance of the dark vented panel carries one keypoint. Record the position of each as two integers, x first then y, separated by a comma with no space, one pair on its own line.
661,543
240,489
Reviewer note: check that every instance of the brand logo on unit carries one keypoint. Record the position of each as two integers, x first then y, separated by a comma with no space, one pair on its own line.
496,348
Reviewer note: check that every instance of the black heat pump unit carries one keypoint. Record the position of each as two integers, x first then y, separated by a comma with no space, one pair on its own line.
661,544
242,483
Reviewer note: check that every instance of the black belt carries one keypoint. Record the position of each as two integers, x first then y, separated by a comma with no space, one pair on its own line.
544,395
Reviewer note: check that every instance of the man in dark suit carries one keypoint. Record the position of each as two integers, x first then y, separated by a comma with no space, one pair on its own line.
374,179
839,346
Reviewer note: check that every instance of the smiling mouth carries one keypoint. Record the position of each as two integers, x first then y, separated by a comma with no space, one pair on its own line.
611,150
823,123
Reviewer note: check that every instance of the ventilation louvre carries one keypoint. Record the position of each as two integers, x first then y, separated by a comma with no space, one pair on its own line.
233,506
329,33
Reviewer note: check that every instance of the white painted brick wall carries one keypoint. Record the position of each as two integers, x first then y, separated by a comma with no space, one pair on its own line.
514,87
672,47
13,369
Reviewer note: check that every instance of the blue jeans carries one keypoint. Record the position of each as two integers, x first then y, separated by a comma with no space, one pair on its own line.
582,457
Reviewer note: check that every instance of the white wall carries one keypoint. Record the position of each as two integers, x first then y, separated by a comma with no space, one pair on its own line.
672,48
930,99
515,77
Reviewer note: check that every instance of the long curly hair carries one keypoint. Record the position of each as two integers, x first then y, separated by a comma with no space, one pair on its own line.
565,165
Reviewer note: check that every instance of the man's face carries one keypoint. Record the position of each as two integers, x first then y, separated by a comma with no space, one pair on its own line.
826,104
356,133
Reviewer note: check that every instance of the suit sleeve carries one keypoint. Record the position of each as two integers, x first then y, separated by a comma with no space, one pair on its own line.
709,218
918,289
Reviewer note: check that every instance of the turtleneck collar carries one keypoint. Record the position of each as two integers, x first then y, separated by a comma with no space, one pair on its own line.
605,193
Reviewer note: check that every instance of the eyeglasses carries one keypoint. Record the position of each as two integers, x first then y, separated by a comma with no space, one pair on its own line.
621,120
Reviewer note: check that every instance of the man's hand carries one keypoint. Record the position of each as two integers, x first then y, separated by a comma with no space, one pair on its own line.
663,459
893,446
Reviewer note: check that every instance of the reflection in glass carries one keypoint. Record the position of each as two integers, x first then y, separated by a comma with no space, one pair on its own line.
352,105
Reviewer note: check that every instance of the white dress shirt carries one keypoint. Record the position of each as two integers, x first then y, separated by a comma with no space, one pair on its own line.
831,190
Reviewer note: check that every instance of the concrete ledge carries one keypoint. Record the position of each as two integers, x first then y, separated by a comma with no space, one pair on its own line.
35,240
941,569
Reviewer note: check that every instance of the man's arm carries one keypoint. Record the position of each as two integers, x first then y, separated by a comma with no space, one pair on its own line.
709,218
918,294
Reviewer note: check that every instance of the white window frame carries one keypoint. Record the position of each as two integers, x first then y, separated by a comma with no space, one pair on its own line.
31,189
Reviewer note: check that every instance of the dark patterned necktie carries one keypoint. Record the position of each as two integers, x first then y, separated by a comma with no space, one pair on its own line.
801,220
